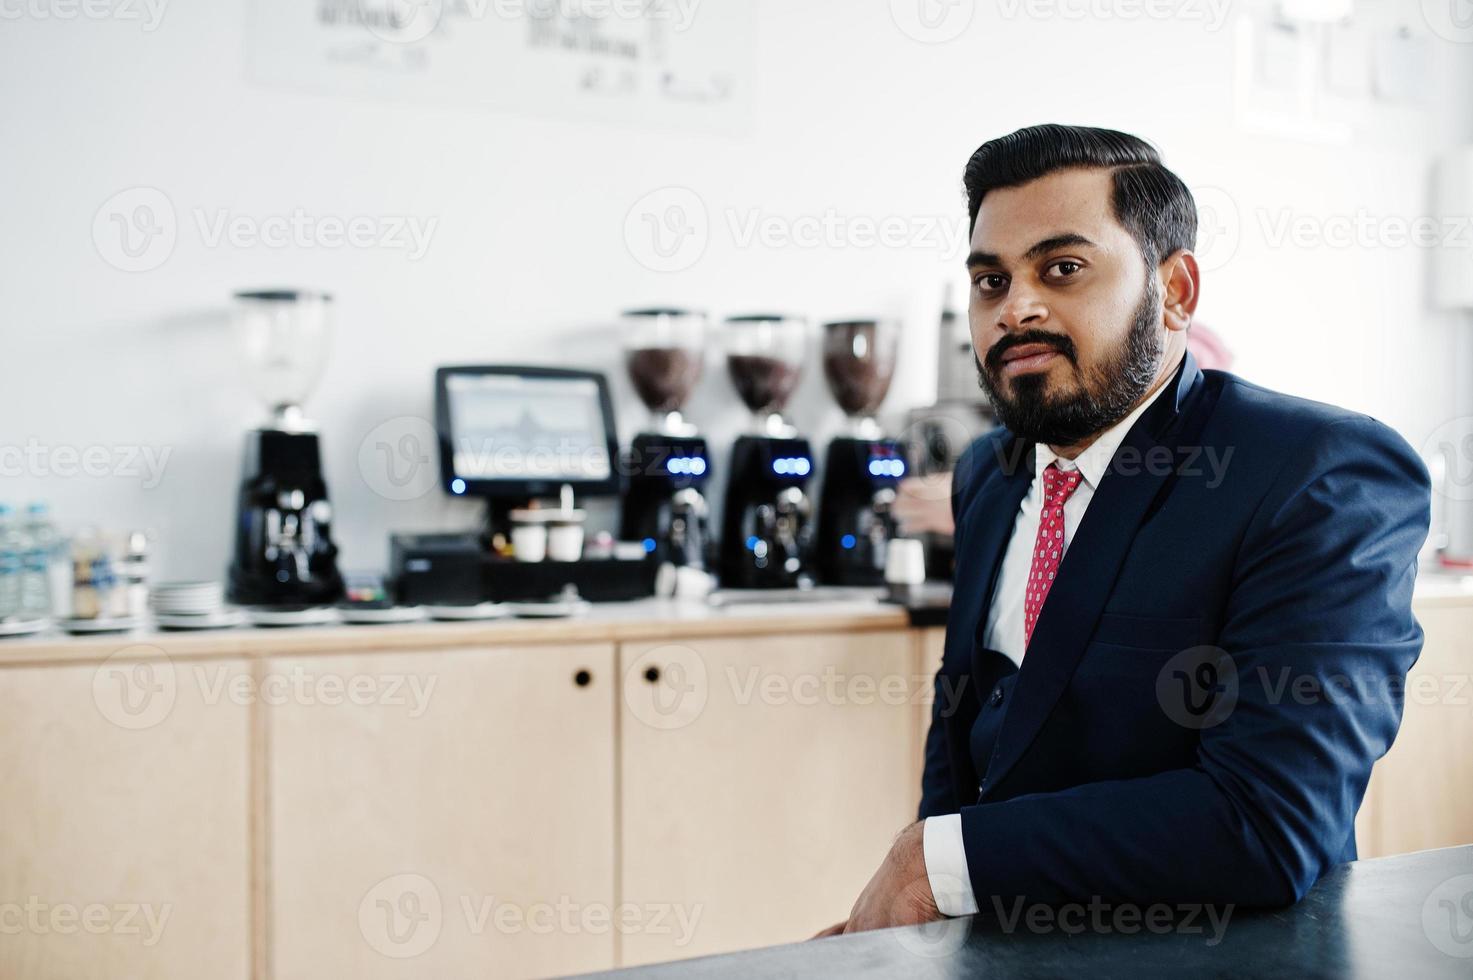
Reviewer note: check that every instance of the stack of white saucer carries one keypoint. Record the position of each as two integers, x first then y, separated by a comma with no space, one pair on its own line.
192,606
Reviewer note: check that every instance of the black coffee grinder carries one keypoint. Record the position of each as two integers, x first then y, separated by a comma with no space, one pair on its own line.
766,523
862,468
665,503
284,554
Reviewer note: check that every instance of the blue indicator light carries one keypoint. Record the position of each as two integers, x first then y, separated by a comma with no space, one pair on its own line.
847,541
780,466
752,543
697,465
457,485
649,545
802,466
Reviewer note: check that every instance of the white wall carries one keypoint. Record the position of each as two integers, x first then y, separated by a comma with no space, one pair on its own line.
529,260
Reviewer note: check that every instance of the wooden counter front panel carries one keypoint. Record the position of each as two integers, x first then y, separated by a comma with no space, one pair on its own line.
466,833
762,782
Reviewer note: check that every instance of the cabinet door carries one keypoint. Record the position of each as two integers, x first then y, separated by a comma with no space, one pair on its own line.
762,782
123,830
453,818
1421,793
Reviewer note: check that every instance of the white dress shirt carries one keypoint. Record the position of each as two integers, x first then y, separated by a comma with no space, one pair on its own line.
946,858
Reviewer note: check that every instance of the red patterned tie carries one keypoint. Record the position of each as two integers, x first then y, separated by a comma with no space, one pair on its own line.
1048,547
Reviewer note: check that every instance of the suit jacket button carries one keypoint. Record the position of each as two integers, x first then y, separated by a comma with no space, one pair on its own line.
996,698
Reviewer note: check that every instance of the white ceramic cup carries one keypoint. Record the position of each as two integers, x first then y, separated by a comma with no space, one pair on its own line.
565,541
529,541
905,562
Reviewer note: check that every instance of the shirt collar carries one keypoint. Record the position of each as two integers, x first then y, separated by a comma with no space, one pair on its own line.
1095,460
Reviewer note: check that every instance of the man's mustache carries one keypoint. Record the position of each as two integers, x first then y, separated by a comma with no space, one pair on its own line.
1058,342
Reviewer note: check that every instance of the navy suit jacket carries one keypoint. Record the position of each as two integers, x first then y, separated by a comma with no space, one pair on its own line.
1216,668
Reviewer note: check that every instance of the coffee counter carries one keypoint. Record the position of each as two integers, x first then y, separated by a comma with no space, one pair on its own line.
277,789
649,619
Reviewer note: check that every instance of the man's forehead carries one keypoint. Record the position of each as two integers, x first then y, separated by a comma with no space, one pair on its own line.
1012,219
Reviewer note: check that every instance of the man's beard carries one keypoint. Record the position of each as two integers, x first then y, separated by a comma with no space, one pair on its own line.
1105,394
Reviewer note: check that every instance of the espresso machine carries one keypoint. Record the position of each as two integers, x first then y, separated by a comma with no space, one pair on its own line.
284,553
668,465
862,468
766,526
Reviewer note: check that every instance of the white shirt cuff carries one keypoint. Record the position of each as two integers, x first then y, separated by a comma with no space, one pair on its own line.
946,865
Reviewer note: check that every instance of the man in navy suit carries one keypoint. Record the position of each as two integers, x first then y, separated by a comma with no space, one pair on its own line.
1182,615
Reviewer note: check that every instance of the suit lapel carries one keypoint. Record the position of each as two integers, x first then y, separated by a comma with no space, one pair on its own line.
992,514
1087,573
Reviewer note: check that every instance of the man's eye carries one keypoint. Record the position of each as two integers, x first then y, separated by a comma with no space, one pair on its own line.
990,282
1065,268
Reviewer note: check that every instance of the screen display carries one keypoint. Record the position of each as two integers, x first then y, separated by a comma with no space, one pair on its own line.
511,427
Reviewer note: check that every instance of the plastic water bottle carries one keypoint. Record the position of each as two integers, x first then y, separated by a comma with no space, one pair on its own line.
12,553
36,562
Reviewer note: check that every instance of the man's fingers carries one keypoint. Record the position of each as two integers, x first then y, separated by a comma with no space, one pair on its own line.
833,930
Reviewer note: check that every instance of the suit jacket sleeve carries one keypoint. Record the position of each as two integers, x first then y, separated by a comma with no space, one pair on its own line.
938,792
1322,589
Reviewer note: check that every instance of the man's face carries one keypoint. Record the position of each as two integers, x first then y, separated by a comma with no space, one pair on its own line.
1066,319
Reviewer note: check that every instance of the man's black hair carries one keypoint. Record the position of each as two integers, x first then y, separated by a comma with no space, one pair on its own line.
1150,201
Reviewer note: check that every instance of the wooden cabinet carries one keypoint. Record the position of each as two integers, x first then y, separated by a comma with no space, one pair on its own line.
1421,793
456,820
762,782
123,819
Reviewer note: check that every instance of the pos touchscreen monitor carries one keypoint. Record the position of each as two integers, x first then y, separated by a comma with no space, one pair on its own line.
522,432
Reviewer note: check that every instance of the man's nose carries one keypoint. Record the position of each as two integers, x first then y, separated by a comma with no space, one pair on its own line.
1023,309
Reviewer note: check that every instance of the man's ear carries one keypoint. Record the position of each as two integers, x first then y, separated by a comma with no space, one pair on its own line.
1180,289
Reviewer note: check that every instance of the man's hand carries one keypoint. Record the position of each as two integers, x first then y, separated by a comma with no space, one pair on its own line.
899,894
